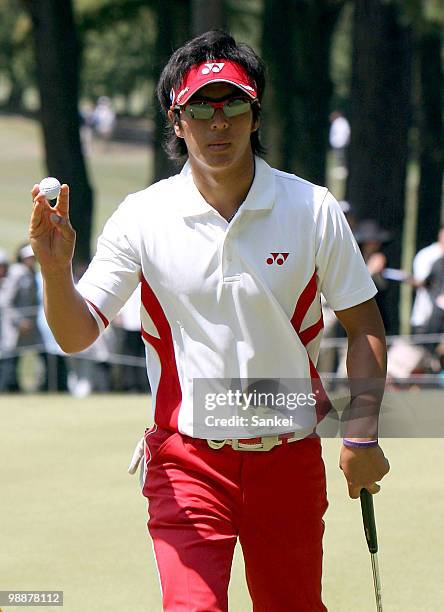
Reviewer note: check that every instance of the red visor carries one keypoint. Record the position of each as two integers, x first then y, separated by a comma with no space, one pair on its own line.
220,71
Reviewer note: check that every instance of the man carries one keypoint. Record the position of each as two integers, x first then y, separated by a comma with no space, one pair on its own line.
422,266
20,300
339,138
435,286
232,256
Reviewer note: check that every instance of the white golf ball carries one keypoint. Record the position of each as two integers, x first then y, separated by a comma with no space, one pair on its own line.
50,186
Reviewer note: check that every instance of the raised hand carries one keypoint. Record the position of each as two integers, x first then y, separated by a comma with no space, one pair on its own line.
51,235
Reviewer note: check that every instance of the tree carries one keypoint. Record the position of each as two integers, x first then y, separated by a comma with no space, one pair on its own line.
380,119
117,40
15,53
431,135
57,57
207,15
296,45
173,28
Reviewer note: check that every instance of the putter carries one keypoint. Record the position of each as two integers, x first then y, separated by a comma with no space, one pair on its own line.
368,517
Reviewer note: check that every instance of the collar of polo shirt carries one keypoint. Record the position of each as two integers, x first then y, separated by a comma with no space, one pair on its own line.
260,197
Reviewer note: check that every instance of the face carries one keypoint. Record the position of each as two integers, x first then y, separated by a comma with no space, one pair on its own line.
220,142
29,262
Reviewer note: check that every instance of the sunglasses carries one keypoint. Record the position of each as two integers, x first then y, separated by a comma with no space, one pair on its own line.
205,109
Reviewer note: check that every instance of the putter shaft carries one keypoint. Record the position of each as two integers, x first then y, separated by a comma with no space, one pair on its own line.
368,517
376,581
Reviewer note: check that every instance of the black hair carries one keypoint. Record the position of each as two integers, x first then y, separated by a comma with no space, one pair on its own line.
210,46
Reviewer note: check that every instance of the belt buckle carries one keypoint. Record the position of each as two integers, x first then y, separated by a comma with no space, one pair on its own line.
268,442
216,444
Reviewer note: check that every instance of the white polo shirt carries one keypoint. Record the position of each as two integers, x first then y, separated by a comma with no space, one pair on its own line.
220,300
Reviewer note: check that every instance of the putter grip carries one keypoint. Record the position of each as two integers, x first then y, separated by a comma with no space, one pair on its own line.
368,517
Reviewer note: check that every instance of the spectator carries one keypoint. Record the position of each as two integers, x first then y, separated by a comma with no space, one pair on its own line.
434,284
104,119
86,115
440,355
20,303
91,370
4,265
331,357
56,372
339,138
5,364
133,377
370,238
422,266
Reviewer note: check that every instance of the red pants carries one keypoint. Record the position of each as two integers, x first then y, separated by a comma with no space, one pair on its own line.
201,500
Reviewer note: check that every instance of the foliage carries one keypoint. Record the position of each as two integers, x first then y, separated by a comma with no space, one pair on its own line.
17,66
422,13
118,60
340,66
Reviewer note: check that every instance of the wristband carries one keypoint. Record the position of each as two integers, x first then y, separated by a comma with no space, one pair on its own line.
363,444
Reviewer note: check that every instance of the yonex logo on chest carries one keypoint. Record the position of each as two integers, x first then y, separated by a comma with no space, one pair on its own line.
277,258
213,67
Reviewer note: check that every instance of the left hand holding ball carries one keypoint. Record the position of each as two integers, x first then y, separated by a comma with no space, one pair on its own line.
50,187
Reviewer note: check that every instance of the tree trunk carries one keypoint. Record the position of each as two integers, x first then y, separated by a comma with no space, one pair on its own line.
172,19
57,59
431,139
15,97
207,15
380,118
296,45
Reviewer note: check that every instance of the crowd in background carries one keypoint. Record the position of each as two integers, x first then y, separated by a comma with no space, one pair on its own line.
114,363
424,352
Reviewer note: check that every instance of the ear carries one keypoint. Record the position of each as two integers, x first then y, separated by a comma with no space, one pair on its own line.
172,118
255,125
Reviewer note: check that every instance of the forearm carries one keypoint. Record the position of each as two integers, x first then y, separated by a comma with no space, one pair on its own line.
366,368
67,313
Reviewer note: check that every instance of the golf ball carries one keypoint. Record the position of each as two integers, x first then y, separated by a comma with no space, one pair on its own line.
50,186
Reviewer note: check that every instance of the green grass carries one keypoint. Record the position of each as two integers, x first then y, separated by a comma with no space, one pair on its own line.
72,519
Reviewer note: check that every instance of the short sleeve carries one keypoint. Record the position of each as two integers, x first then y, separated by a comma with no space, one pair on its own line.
423,263
114,272
342,274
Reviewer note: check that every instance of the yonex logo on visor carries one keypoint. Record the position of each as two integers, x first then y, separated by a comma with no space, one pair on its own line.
212,68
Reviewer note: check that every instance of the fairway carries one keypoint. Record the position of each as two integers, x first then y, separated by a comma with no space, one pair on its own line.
72,519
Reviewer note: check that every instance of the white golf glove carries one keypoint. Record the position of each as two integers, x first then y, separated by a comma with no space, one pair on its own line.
137,456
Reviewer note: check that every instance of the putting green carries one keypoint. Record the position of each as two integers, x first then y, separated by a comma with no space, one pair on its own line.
72,519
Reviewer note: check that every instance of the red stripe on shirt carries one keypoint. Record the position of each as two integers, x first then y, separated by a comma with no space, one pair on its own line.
169,393
101,315
303,304
311,332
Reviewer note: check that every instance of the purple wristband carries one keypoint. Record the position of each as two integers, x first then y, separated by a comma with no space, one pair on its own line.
363,444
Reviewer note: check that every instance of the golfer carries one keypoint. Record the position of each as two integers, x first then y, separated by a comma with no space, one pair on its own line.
232,256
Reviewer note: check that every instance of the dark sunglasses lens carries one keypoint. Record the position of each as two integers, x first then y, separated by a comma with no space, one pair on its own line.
236,107
199,110
205,110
